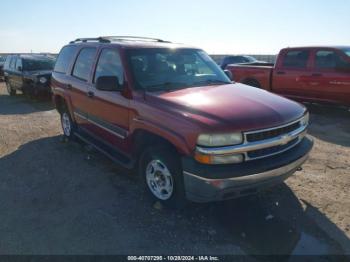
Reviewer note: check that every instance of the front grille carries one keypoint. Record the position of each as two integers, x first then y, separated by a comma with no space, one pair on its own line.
271,150
258,136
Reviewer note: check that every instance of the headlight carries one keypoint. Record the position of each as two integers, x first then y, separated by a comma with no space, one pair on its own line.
305,120
43,80
220,139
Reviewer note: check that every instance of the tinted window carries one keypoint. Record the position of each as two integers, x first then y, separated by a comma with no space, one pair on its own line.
2,59
18,63
346,51
64,59
327,59
109,64
13,62
37,64
296,59
84,62
165,69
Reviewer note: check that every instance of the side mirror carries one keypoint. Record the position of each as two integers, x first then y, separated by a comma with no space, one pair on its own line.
19,68
229,74
108,83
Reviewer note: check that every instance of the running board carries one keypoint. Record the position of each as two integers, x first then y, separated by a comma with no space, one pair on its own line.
107,150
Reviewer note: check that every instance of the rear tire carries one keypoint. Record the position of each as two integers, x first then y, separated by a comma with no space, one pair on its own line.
161,176
10,90
68,126
253,83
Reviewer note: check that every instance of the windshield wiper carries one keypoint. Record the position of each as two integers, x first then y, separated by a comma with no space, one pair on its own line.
167,86
213,81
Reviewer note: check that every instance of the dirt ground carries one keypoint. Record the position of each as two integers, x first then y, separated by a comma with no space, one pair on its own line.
64,198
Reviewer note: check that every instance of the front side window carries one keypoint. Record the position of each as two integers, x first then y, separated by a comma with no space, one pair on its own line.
164,69
296,59
37,64
109,64
326,59
84,62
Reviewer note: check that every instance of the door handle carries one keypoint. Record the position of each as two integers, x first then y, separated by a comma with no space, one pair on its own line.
90,94
69,86
281,73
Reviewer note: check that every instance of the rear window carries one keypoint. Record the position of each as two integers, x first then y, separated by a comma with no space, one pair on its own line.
64,59
84,63
296,59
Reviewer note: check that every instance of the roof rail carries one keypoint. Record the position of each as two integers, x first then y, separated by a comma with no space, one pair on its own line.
96,39
133,38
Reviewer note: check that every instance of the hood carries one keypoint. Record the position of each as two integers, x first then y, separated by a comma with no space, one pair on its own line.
39,73
230,107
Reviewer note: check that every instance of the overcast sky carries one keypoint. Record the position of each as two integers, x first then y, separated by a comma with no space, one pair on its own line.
218,26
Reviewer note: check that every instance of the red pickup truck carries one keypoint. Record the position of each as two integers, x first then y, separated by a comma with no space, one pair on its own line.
315,74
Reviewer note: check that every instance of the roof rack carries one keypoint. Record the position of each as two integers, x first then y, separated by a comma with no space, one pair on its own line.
96,39
133,38
109,39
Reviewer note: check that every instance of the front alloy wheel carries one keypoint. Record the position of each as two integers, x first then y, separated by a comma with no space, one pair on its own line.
159,180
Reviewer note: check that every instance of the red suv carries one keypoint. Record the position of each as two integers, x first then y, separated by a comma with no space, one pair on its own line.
171,112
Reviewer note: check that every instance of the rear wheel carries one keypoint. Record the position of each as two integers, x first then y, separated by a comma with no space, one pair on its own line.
10,90
253,83
68,126
161,173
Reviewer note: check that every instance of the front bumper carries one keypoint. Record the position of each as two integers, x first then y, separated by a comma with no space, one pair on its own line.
206,183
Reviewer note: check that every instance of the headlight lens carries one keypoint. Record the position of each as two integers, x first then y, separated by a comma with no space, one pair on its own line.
220,139
305,120
43,80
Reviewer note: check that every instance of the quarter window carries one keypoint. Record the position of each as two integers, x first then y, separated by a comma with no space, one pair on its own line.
64,59
109,64
296,59
84,62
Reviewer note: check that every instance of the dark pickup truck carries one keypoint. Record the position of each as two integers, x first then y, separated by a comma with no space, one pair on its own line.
170,112
314,74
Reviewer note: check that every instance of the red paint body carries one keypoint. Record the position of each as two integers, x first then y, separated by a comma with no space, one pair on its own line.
330,85
176,116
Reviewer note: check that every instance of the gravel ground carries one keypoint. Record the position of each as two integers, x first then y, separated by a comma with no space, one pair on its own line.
64,198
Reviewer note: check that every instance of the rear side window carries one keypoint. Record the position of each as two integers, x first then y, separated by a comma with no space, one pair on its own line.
13,62
109,64
19,63
7,62
296,59
84,62
64,59
327,59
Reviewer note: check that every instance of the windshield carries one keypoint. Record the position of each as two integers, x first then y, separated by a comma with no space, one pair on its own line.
250,59
38,64
165,69
347,51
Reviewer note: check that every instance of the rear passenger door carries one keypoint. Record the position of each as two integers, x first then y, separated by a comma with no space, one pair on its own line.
11,70
79,83
290,76
108,111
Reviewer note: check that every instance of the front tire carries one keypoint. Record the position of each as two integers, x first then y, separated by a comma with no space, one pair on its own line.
161,173
10,90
